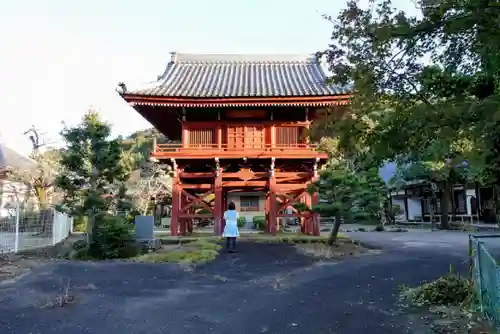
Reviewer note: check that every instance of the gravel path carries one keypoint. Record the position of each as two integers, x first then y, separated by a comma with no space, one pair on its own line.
261,289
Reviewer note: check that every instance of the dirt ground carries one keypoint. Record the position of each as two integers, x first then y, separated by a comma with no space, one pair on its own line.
263,288
14,265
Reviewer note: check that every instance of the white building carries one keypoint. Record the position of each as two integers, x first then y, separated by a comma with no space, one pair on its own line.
11,191
248,204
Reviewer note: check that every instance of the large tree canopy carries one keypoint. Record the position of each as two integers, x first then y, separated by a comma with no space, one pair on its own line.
425,88
421,85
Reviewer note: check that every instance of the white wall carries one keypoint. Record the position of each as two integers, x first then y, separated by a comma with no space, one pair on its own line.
414,207
469,193
235,198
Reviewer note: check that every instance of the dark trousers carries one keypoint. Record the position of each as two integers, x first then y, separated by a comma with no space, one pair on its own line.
231,243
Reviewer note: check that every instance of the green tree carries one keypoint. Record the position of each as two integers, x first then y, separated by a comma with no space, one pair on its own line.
408,109
91,168
139,146
350,195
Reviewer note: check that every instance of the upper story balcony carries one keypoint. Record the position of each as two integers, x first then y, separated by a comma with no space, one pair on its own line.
262,151
232,140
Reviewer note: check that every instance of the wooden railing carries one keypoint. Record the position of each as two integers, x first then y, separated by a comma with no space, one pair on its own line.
213,148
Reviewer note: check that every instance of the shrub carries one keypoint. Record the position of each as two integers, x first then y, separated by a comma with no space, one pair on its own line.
79,244
259,222
241,221
113,238
449,290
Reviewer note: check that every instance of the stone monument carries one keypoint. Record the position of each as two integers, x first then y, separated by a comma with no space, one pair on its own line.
144,232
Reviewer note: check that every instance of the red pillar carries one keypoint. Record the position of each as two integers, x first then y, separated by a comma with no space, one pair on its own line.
219,200
223,209
314,201
272,219
182,221
315,216
176,206
268,206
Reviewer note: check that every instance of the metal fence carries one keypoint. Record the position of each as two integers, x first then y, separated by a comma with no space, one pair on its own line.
24,229
485,272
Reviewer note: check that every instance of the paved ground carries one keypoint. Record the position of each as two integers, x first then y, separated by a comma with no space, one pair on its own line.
447,242
261,289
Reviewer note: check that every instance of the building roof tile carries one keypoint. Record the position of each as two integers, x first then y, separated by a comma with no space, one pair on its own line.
10,159
232,75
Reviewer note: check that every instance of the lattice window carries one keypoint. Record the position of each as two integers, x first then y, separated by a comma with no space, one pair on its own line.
287,135
201,136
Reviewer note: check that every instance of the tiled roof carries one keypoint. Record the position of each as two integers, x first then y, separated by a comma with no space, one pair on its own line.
231,75
11,159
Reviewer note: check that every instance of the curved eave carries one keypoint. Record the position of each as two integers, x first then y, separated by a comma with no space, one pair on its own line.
299,101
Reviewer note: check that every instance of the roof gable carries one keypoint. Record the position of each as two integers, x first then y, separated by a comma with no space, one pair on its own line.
235,75
10,159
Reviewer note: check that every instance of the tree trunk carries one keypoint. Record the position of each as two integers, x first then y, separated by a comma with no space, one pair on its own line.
332,239
445,199
432,203
91,215
496,204
383,215
41,196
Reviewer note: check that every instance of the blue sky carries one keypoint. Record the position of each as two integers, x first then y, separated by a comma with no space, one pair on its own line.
60,57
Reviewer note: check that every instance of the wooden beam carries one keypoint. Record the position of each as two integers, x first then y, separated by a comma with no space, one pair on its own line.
199,199
214,102
196,186
288,179
187,175
279,175
289,200
240,184
291,187
237,190
190,154
241,175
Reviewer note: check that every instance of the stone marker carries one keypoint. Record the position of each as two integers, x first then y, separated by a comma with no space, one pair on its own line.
144,231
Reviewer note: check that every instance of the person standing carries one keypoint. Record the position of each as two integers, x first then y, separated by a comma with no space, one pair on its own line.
231,229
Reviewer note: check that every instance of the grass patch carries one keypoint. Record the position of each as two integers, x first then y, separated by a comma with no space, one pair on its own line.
253,237
193,252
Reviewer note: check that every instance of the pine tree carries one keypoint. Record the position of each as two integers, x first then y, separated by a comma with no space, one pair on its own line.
91,168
